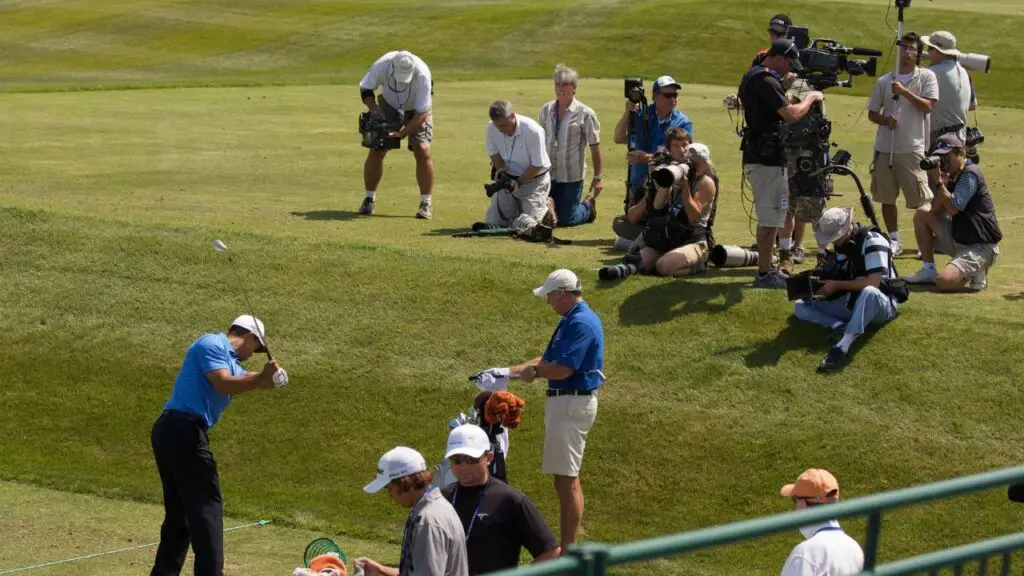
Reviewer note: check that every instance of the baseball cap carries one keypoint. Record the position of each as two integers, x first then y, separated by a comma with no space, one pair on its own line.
561,279
786,47
468,440
832,225
813,483
254,325
947,142
779,24
698,151
404,67
398,462
942,41
665,81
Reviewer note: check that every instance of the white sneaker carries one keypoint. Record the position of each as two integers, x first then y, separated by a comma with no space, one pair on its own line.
923,276
622,244
896,247
979,282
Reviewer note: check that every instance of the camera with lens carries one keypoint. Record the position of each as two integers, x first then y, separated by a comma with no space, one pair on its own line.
634,90
805,285
971,143
932,162
502,181
668,174
825,59
375,130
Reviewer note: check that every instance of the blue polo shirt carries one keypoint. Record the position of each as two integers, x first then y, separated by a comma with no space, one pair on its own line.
578,342
656,130
193,392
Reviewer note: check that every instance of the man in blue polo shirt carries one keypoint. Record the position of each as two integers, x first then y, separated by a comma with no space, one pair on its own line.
647,136
210,376
572,365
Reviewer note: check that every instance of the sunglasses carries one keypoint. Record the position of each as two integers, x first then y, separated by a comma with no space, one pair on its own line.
463,459
670,95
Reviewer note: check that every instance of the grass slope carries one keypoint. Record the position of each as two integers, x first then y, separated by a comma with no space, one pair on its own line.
113,43
712,402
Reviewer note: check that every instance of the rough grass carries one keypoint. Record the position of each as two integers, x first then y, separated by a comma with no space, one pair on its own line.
110,200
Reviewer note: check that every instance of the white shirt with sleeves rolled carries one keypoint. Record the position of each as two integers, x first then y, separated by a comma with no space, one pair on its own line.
402,97
525,148
913,126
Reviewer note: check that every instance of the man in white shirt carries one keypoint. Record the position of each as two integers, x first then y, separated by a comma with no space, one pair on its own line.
956,92
570,127
516,146
405,102
902,137
826,549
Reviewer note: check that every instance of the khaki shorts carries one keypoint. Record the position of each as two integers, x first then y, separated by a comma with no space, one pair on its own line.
905,175
968,258
807,208
567,420
769,183
425,134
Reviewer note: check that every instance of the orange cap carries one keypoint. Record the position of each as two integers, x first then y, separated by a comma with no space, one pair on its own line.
328,561
813,483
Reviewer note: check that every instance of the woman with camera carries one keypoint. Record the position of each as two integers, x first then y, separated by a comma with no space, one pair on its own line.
679,242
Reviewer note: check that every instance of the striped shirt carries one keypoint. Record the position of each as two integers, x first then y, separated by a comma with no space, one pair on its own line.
966,187
877,253
568,138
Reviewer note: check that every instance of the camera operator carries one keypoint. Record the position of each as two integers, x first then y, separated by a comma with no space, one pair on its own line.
902,136
778,28
516,146
956,91
570,127
678,243
632,225
765,107
405,100
856,295
650,135
961,223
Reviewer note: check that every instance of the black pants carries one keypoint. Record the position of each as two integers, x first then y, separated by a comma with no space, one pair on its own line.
193,509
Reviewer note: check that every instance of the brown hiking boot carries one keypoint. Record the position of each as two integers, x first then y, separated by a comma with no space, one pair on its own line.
550,219
786,263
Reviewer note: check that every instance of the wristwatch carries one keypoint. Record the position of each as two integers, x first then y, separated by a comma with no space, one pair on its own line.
598,177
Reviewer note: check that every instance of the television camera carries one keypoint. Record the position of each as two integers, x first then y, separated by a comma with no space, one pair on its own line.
375,130
825,59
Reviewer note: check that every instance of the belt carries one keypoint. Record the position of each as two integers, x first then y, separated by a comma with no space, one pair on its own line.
948,129
552,393
186,416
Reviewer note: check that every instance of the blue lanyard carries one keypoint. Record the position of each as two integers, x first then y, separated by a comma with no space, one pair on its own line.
479,501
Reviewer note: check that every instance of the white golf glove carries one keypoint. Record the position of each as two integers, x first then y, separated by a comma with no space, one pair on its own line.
492,379
280,378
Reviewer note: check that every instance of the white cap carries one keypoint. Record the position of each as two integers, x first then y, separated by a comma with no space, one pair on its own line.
698,151
404,67
396,463
561,279
833,224
252,324
468,440
664,81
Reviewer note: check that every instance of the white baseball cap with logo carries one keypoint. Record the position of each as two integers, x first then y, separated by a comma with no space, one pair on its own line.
404,67
254,325
467,440
665,81
398,462
561,279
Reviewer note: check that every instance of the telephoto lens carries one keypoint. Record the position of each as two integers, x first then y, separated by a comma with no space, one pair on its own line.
616,272
931,162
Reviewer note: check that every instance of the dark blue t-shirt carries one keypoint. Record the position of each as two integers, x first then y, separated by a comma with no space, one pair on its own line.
578,343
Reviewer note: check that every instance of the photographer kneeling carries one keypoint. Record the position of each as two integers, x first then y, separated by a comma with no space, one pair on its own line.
519,159
962,222
855,286
678,243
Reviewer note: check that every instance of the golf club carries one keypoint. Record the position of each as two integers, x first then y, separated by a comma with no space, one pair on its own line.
222,247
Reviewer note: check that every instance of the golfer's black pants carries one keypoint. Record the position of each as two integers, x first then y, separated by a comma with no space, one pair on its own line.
193,509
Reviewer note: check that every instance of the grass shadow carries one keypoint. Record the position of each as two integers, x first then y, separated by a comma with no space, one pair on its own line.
797,334
341,215
674,298
1014,297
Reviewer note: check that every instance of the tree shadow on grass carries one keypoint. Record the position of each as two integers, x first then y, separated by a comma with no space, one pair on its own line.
674,298
341,215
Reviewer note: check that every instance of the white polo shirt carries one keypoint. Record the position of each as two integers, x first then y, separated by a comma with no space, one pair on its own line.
402,97
525,148
827,551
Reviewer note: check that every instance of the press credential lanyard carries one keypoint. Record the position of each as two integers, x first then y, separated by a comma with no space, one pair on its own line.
479,501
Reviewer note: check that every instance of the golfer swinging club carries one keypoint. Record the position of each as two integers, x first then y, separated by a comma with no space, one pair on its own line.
572,365
209,377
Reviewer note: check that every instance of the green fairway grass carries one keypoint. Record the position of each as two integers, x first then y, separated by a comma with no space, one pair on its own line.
110,202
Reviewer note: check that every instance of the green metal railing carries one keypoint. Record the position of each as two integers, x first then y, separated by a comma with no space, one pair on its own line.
592,559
